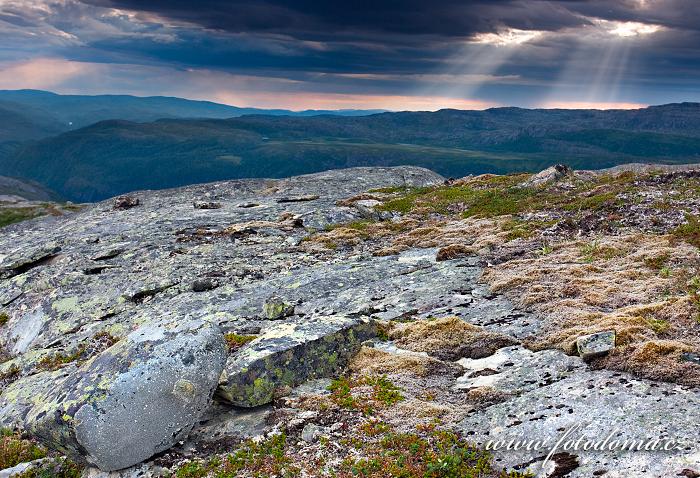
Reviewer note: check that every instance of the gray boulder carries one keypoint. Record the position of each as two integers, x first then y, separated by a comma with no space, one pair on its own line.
133,400
289,354
595,345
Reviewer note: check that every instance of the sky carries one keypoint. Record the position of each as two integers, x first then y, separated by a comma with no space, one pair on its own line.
361,54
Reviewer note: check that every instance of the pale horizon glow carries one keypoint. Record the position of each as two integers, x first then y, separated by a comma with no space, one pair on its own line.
64,77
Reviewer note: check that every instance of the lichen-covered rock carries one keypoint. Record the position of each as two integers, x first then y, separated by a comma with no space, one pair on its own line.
133,400
290,354
276,308
595,345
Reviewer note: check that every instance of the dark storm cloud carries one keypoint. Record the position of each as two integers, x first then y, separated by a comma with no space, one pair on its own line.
410,36
378,47
318,20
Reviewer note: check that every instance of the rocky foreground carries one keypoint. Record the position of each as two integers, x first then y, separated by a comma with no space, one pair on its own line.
371,322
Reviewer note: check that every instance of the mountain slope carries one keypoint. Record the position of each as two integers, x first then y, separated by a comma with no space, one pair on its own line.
113,157
22,122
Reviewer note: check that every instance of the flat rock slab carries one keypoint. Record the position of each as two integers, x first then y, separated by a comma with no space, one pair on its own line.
517,369
133,400
596,405
290,354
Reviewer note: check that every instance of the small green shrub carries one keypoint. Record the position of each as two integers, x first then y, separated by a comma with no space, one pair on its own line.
15,450
384,391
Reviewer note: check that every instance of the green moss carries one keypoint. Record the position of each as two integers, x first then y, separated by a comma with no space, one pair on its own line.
517,229
592,203
236,341
594,251
4,318
494,196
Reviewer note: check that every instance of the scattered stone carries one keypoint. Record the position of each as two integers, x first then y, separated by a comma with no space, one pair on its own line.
203,285
276,308
247,205
312,432
135,399
304,198
688,473
207,205
289,354
595,345
547,176
366,209
125,202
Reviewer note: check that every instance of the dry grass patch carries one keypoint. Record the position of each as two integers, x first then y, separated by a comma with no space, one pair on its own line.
453,251
657,360
473,233
378,362
614,285
448,339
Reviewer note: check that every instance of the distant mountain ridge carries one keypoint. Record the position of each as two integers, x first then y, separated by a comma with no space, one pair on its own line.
36,114
116,156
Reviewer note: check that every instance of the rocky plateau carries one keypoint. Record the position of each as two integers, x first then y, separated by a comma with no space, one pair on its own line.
182,332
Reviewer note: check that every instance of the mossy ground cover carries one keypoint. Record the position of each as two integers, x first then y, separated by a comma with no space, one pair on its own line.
495,196
13,215
10,214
